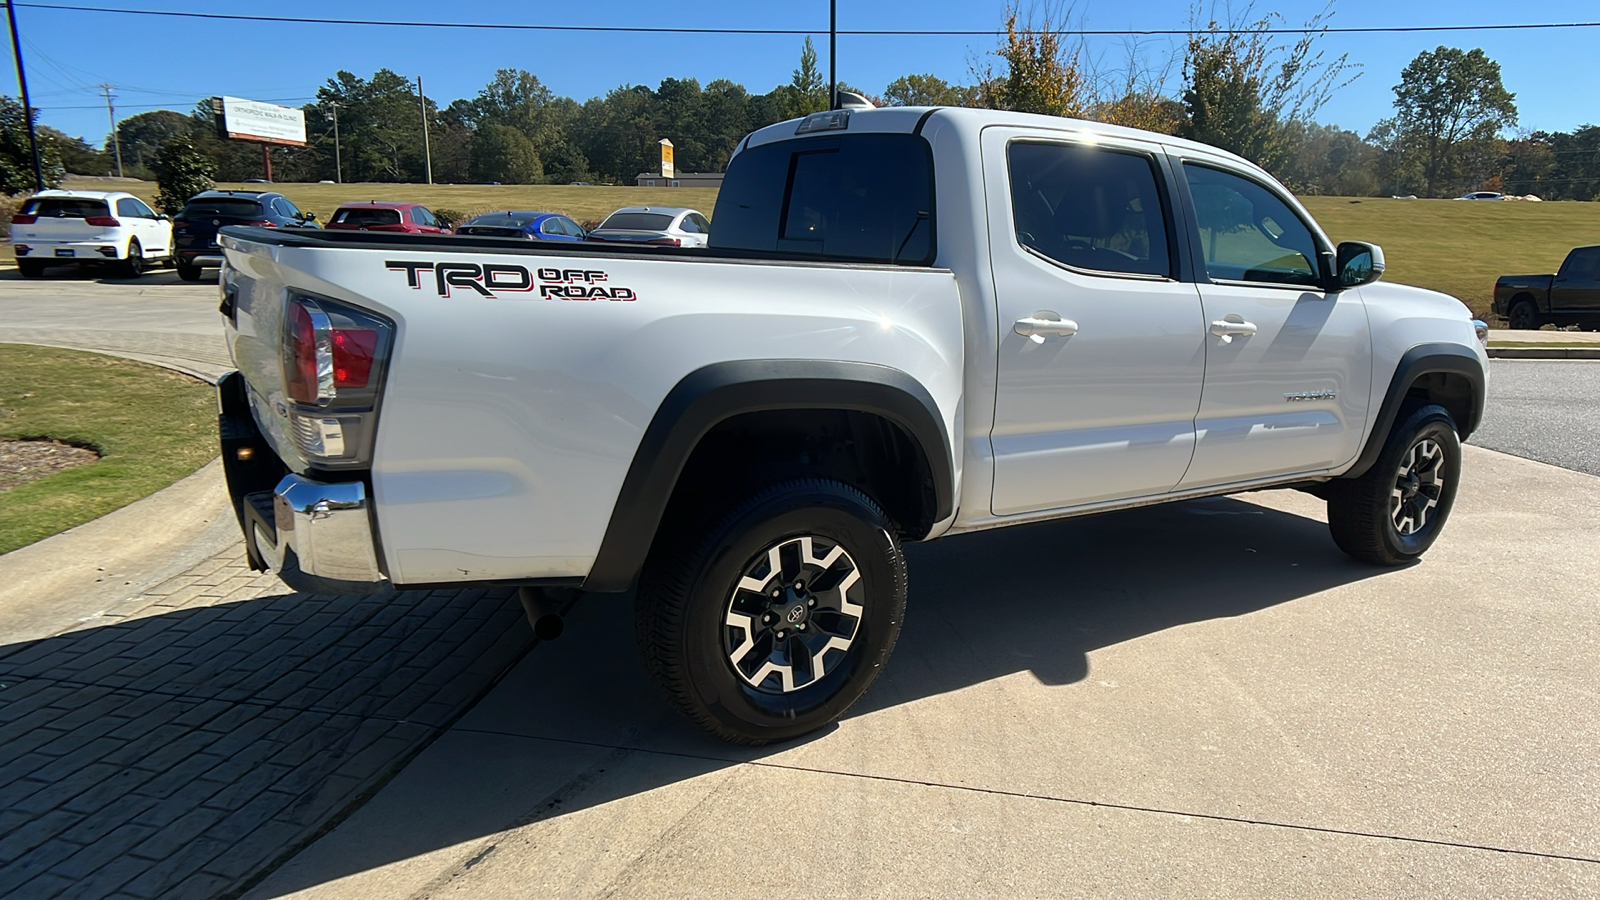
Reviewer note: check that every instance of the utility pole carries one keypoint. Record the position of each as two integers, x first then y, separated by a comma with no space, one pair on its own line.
111,111
338,167
833,54
27,107
427,153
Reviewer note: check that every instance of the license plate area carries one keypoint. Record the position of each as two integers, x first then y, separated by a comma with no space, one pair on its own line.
60,252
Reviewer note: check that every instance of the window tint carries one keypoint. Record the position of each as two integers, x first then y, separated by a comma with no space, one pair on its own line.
143,209
1583,265
1089,208
365,217
702,221
573,229
689,225
1247,233
222,206
638,221
64,207
863,197
127,207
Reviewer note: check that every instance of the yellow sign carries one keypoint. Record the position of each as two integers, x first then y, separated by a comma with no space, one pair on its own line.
666,158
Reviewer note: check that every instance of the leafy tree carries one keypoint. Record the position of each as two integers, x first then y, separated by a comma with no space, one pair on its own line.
928,90
77,156
142,135
1042,74
1244,90
181,172
16,157
504,154
1450,107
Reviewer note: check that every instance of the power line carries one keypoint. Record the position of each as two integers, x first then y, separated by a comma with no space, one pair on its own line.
870,32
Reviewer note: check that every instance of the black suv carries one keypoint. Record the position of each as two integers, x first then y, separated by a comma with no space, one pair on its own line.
194,231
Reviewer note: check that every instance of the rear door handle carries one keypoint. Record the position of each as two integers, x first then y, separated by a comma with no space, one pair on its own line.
1041,325
1232,326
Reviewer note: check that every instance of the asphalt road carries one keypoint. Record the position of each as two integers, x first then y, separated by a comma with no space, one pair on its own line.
1544,410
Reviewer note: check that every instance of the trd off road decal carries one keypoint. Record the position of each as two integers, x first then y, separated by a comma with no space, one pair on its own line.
492,279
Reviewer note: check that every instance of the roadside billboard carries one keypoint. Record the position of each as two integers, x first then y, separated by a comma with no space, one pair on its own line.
252,120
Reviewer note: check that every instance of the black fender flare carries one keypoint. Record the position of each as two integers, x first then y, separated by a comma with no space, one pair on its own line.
710,395
1423,359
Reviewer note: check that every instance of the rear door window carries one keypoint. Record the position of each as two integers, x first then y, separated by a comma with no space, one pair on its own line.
129,208
1089,208
866,197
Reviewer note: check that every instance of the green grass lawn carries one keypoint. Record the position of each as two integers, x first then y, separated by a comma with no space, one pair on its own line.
1458,247
150,426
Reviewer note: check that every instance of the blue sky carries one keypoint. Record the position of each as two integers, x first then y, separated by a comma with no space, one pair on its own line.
172,63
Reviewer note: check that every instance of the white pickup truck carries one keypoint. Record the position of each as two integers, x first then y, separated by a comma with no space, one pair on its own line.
909,323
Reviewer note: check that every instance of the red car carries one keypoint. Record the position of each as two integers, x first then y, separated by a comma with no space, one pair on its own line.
386,215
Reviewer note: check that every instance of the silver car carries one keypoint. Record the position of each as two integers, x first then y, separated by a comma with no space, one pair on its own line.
659,226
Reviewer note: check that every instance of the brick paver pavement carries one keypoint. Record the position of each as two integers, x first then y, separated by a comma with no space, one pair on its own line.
184,747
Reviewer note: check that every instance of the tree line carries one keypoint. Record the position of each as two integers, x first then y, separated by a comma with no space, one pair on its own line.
1241,86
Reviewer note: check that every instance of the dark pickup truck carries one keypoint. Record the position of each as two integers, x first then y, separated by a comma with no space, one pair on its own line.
1569,297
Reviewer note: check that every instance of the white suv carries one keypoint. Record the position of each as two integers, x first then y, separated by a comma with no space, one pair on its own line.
78,227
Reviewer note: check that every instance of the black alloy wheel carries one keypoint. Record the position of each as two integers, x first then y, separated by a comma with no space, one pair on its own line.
1523,316
1394,512
772,621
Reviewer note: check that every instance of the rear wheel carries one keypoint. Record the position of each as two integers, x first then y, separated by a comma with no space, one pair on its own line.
779,616
1523,316
30,268
1393,513
188,272
133,265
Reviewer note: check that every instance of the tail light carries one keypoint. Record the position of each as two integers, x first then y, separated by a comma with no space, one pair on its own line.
665,242
23,219
103,221
333,362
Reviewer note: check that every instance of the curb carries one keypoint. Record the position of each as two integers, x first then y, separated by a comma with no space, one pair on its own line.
1544,353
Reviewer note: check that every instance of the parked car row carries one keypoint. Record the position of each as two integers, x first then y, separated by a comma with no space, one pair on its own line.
63,227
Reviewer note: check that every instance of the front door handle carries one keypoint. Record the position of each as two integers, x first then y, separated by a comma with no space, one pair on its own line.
1041,325
1231,326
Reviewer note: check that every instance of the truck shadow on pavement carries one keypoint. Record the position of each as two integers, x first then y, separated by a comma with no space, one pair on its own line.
188,753
580,726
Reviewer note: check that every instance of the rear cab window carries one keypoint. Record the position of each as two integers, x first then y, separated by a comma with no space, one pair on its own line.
65,208
861,197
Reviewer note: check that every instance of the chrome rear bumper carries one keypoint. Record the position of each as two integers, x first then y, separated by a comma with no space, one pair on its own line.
319,537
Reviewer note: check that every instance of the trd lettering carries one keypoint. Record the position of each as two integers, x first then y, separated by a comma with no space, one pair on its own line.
492,278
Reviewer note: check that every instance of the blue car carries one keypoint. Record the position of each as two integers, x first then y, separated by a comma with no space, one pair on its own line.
536,226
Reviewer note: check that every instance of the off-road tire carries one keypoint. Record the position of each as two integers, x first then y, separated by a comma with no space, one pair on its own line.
29,268
693,585
187,272
1523,316
133,265
1363,512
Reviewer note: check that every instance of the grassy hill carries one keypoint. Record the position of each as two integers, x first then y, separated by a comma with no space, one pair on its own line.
1458,247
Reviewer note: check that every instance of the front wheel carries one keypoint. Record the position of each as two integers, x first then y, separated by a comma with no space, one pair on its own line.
1393,513
771,623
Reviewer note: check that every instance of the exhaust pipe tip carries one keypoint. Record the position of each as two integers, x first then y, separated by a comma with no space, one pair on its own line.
544,607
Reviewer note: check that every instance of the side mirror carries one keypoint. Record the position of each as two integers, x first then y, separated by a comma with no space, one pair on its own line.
163,217
1359,263
309,217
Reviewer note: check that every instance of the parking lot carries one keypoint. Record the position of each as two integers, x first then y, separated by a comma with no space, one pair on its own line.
1206,699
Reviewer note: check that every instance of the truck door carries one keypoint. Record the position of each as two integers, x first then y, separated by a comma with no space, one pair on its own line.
1288,364
1577,286
1101,347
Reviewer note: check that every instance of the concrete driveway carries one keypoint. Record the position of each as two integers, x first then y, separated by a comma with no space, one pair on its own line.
1199,700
